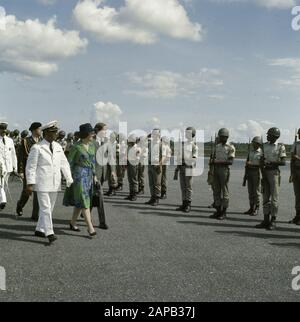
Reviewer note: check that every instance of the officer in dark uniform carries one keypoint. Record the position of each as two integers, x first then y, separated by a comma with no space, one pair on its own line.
25,148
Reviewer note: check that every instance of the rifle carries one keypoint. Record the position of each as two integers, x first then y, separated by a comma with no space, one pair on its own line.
246,176
292,165
211,172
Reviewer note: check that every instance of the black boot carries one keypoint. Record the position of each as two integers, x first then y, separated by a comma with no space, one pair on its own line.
265,223
2,206
255,212
155,202
141,191
272,225
217,214
297,219
223,215
110,192
120,187
163,196
181,208
133,197
150,201
188,207
250,211
52,239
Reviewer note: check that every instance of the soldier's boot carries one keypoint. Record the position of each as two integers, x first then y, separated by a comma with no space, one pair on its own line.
110,192
128,197
265,223
272,225
217,214
133,197
223,214
250,211
181,208
163,196
150,201
119,187
255,211
141,191
155,202
297,219
188,207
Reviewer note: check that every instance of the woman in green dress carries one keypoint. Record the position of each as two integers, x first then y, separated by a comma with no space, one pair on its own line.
82,161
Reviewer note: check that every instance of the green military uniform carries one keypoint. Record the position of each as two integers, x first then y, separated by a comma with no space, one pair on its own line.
271,178
189,155
24,150
222,175
254,177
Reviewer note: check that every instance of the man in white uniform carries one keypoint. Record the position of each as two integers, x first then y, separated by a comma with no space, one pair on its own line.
8,161
45,163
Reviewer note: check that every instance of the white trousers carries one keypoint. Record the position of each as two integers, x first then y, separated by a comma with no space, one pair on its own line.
3,183
47,202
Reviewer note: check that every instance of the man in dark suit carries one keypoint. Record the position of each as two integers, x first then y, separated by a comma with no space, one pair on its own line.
25,148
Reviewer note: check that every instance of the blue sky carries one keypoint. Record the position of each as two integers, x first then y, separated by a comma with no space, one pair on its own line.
240,69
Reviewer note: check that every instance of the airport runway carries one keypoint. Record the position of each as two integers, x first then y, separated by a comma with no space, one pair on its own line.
154,254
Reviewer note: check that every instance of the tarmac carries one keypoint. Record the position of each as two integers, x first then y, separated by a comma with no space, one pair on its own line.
154,254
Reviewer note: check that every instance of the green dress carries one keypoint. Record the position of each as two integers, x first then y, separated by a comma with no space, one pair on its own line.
82,162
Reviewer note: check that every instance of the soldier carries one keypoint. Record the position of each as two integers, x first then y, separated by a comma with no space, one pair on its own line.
121,160
295,176
27,144
132,167
187,162
143,144
156,160
253,176
111,165
61,139
15,135
274,156
8,160
225,154
164,178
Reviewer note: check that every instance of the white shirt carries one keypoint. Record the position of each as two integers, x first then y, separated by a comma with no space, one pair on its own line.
8,156
274,152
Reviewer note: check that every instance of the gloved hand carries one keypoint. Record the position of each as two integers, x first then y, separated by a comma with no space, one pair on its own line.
69,183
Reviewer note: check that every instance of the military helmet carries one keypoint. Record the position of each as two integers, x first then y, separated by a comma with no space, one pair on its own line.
192,130
132,138
299,132
62,134
223,132
70,136
257,140
275,132
16,132
24,134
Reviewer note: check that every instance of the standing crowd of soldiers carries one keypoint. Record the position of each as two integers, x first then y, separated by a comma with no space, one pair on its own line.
118,154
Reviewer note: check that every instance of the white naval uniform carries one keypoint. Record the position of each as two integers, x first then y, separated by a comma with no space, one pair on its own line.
9,162
43,171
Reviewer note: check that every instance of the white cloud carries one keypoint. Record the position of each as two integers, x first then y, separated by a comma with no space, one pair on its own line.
137,21
270,4
293,66
108,113
168,84
33,48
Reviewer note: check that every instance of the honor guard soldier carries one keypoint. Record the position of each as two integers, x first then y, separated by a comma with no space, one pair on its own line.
156,160
187,159
62,140
121,160
164,178
27,144
295,176
253,176
144,146
225,154
274,156
132,168
45,164
8,160
112,165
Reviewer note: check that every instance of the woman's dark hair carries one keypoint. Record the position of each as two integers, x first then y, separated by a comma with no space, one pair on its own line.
83,136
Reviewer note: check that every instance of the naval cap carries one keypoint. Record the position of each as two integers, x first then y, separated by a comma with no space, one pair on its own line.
51,127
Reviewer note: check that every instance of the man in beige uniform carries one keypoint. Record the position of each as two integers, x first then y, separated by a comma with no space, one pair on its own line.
188,156
296,178
156,160
225,154
253,176
274,156
164,179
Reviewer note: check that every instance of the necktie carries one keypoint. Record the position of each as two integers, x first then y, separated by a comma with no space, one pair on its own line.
51,147
4,141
